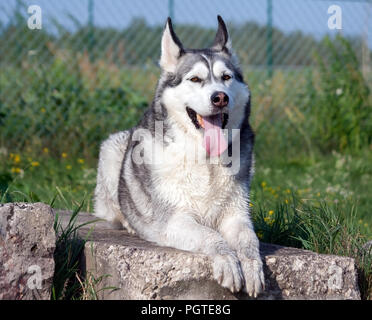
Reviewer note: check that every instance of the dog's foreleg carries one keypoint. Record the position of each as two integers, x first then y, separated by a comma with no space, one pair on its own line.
183,232
236,227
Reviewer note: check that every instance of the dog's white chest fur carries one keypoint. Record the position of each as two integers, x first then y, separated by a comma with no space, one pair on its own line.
200,188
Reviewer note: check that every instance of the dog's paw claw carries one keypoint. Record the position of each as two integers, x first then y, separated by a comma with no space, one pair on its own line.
254,282
227,272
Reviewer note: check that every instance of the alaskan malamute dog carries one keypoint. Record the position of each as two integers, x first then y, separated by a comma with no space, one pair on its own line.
181,177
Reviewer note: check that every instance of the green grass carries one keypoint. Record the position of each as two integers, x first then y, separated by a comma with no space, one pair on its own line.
70,281
69,247
317,226
333,178
41,177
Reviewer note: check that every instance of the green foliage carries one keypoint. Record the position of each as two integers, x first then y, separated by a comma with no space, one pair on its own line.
319,227
139,43
335,230
18,42
279,226
40,176
321,205
69,246
339,110
314,110
66,257
5,180
56,104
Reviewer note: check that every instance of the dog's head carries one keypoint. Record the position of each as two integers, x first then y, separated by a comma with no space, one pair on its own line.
203,89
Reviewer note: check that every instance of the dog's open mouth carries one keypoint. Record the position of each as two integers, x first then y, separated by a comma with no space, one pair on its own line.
214,141
198,120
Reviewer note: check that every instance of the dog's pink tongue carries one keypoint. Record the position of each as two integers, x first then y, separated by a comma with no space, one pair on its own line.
214,140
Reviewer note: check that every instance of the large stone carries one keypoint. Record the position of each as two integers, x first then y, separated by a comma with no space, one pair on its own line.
141,270
27,243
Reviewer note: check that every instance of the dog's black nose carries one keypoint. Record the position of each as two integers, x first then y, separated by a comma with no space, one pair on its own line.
220,99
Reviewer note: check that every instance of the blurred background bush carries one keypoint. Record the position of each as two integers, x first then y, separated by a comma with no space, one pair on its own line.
88,73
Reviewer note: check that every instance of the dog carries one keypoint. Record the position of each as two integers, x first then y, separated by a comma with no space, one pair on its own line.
153,183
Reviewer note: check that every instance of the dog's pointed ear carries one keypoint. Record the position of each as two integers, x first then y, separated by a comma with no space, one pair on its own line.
222,40
171,48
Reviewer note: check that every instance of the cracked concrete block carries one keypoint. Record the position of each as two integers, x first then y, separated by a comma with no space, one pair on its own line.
27,243
142,270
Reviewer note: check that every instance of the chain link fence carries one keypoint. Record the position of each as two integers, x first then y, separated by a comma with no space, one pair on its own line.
93,66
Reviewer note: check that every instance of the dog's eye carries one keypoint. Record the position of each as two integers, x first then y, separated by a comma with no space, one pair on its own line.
226,77
195,79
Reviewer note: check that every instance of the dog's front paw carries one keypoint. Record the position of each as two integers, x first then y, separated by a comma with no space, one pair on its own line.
227,272
254,281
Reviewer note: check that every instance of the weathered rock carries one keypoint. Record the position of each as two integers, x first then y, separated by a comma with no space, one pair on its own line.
27,243
368,246
142,270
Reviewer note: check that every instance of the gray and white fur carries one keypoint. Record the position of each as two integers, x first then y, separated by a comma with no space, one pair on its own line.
189,205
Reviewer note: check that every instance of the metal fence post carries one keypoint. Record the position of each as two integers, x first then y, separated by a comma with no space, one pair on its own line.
269,38
90,28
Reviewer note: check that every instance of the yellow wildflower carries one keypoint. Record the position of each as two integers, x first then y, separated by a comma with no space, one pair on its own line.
81,161
271,212
16,170
35,163
288,191
46,150
260,235
68,167
17,158
64,155
251,204
263,184
318,194
286,201
267,219
43,110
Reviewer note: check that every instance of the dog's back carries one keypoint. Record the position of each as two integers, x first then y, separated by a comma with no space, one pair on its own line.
106,203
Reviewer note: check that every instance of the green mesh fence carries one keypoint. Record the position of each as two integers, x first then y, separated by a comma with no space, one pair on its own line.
92,67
